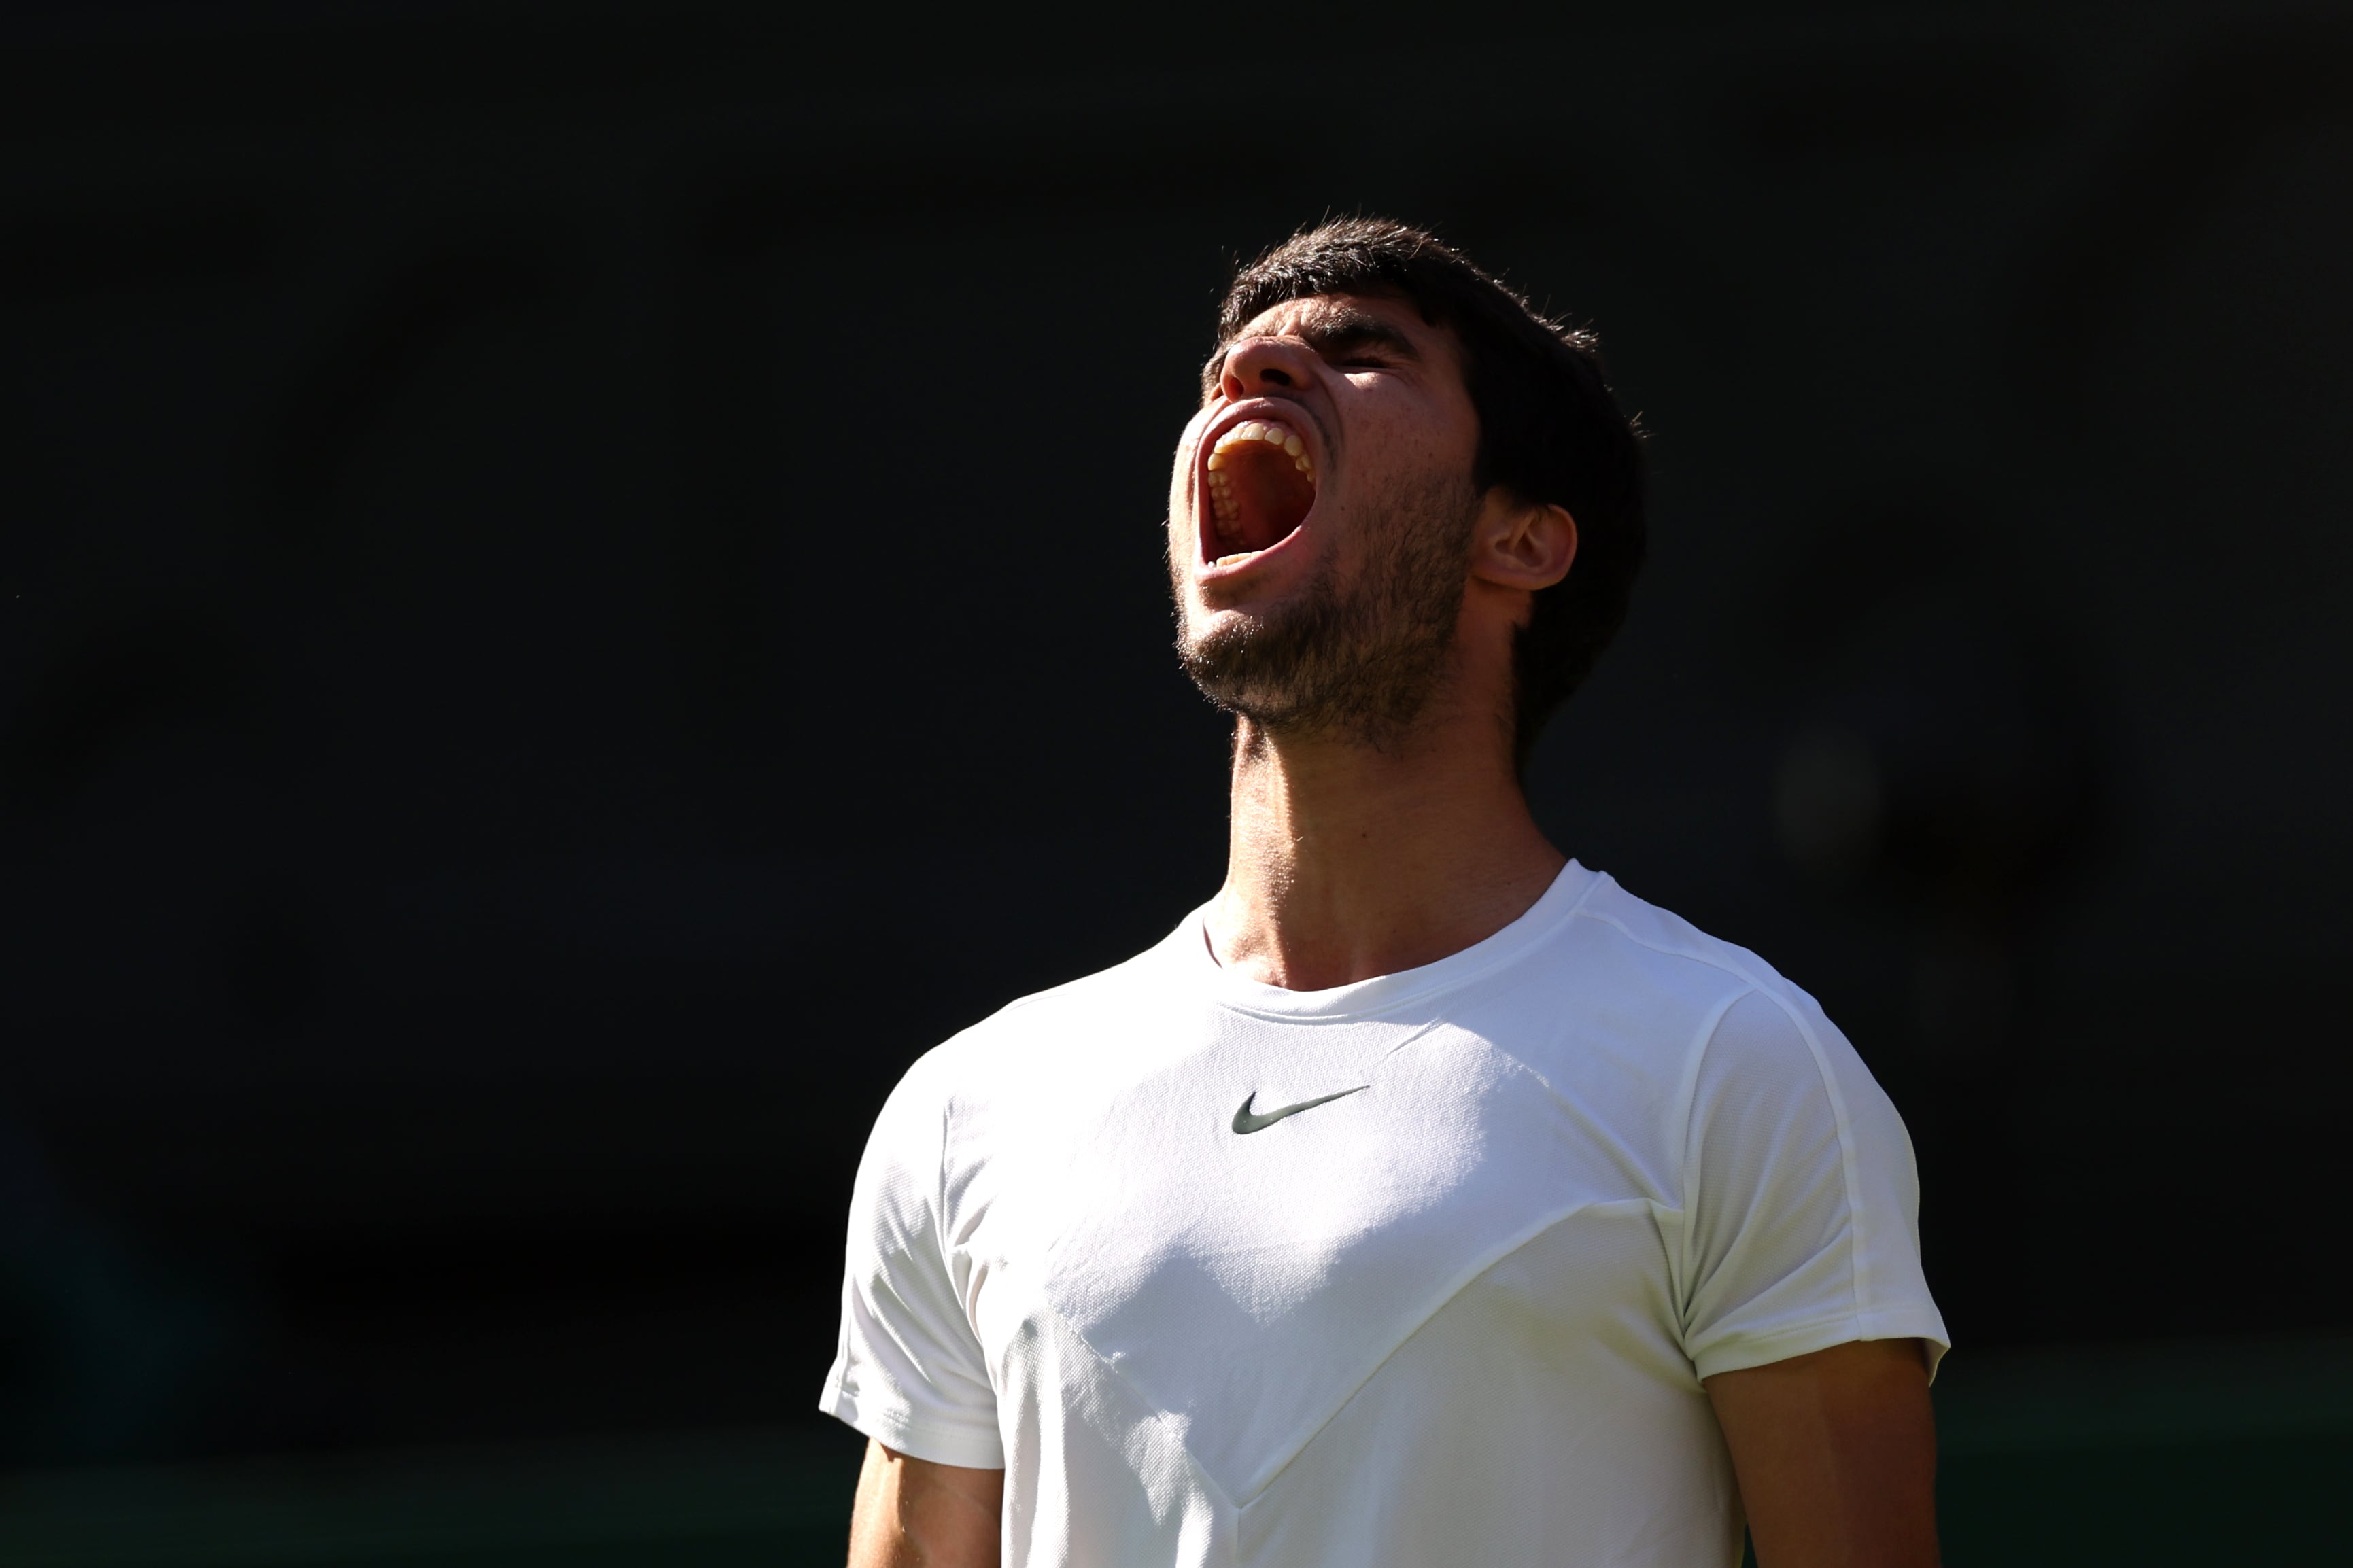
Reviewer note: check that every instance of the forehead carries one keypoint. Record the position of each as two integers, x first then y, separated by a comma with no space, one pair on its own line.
1321,315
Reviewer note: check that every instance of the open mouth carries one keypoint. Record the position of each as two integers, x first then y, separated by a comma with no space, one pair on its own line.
1262,486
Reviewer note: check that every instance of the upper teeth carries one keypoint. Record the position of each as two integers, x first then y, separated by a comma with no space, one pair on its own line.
1274,434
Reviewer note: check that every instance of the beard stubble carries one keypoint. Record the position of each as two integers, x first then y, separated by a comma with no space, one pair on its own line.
1355,660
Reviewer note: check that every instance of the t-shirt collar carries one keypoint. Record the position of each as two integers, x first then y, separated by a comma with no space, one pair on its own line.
1189,946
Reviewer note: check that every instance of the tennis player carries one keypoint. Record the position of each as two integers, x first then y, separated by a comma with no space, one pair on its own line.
1425,1198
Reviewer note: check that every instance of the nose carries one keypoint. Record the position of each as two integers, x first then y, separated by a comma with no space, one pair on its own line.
1256,366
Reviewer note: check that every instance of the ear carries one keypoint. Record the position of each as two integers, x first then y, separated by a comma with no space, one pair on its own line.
1522,544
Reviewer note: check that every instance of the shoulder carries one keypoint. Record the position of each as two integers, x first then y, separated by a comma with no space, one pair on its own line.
1034,1036
1686,994
999,1089
1762,1070
1669,953
1663,941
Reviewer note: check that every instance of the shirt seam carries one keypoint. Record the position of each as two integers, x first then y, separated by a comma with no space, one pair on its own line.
940,1229
1526,1239
1850,1177
1847,1170
1158,1414
1855,1239
1687,1092
1463,1281
1738,973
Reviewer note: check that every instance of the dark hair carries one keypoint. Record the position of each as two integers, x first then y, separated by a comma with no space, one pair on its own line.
1549,429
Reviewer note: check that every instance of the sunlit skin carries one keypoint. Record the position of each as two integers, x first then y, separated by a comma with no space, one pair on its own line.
1836,1456
1347,859
911,1513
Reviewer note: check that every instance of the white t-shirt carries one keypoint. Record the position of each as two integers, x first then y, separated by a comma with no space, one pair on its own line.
1456,1309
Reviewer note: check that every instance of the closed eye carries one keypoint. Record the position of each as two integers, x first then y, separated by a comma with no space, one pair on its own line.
1355,341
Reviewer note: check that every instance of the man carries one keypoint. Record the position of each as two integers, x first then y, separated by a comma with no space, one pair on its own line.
1425,1198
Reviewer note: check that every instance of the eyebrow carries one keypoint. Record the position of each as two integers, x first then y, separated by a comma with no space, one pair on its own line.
1332,333
1341,330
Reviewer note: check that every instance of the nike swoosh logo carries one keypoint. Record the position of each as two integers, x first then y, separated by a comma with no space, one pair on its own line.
1249,1120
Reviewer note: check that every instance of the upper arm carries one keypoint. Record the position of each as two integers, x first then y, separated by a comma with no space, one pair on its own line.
1836,1456
912,1513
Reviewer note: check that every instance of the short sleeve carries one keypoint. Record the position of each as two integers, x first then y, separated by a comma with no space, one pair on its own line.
910,1371
1800,1199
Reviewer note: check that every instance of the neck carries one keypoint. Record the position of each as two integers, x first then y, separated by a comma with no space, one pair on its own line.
1345,861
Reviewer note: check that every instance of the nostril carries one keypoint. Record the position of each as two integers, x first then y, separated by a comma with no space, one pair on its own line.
1276,378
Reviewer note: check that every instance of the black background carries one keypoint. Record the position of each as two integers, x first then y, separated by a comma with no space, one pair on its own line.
580,584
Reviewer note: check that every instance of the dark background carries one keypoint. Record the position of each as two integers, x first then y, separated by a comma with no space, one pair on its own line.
580,584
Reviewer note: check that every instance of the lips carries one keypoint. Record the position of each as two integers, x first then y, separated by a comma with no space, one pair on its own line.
1260,482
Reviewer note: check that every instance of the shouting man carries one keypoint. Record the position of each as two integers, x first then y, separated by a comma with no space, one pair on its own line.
1425,1198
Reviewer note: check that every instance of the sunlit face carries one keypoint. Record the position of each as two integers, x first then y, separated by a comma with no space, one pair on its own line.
1320,515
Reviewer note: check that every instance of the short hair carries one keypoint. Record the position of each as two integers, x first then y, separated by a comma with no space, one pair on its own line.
1550,430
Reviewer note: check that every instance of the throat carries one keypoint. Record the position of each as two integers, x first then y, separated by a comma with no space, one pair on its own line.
1344,865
